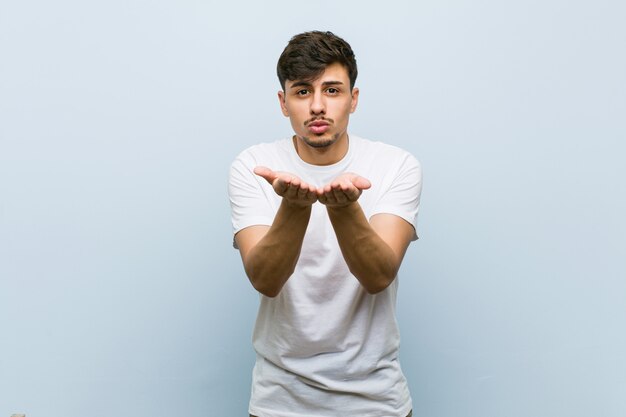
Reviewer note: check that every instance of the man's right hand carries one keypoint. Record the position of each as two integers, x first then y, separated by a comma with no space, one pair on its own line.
289,186
270,254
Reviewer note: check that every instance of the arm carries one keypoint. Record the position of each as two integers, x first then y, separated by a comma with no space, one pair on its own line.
373,250
270,254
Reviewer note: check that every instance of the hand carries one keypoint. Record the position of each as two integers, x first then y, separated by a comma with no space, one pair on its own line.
289,186
343,190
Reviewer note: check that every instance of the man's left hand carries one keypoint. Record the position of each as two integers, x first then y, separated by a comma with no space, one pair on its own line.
343,190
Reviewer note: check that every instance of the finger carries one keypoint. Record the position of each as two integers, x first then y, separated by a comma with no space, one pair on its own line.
349,189
360,182
314,191
284,181
308,196
312,195
322,190
265,173
340,196
292,190
345,186
353,194
302,192
280,186
319,192
330,197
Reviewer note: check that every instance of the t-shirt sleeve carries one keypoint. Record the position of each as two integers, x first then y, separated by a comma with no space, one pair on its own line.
402,192
249,201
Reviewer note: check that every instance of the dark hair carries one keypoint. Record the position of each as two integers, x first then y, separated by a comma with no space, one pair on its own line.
308,54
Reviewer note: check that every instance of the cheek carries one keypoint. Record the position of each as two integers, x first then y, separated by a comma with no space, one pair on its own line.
344,111
347,105
296,111
296,120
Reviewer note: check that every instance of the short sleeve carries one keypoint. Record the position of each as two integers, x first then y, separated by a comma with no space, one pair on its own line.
249,202
401,196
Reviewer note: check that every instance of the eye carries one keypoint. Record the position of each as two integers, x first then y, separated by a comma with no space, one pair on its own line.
332,91
302,92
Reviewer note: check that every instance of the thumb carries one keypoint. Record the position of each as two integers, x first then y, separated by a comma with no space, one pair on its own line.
265,173
360,182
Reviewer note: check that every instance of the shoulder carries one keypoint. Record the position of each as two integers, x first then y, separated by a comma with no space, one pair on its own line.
269,154
382,153
264,150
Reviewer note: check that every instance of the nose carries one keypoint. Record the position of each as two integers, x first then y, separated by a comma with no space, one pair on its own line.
318,105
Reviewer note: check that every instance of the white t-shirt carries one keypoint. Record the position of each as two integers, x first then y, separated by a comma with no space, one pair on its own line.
325,347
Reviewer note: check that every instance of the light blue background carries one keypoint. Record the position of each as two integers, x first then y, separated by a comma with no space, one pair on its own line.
120,293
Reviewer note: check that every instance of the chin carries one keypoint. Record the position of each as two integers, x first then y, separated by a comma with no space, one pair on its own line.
320,142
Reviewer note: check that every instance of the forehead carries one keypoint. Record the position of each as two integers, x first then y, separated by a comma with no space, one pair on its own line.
335,73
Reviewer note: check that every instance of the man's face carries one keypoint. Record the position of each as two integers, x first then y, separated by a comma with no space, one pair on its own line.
319,110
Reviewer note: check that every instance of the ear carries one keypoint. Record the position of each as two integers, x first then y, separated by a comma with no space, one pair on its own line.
283,106
355,99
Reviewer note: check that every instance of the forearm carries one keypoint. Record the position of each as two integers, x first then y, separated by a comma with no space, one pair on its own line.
368,256
270,263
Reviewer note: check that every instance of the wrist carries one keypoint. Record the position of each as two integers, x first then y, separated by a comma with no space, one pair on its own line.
296,205
347,208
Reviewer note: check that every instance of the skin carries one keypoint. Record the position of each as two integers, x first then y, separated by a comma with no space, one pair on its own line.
373,250
328,99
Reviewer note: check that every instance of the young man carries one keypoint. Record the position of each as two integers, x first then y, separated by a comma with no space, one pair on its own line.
322,221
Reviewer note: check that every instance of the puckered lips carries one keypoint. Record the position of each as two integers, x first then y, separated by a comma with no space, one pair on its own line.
318,126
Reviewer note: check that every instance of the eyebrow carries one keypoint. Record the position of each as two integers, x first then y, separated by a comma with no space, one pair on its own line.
308,83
